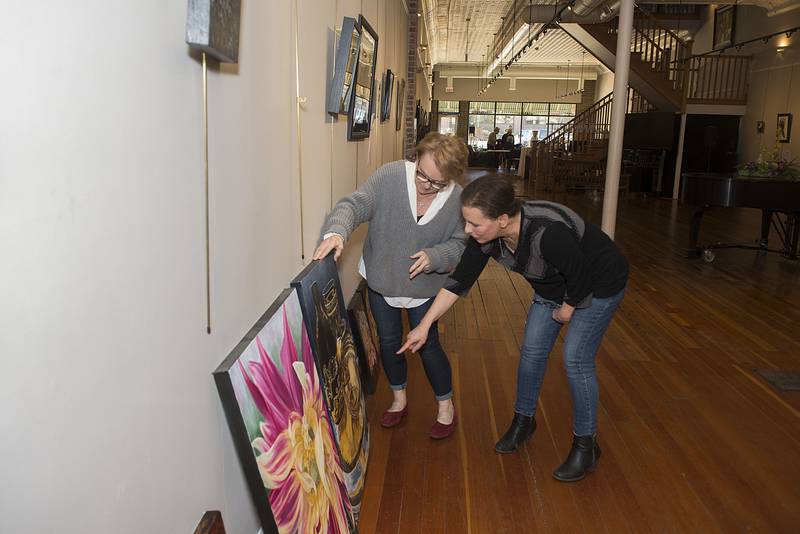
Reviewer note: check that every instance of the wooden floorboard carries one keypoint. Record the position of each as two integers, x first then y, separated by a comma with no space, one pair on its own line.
693,439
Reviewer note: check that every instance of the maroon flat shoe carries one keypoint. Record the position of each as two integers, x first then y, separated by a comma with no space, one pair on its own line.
390,419
441,430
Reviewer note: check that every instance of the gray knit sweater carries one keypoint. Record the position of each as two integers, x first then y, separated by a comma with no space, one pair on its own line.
394,234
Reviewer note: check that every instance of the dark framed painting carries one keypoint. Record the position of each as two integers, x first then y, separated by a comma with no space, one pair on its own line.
783,133
362,105
332,342
366,337
213,27
724,26
386,100
401,95
274,405
344,64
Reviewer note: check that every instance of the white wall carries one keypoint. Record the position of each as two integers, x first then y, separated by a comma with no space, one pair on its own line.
774,80
774,88
109,421
605,85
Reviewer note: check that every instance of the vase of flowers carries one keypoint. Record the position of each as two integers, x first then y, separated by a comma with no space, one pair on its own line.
771,164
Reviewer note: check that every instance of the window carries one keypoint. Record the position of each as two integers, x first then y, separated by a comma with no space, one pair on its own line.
527,120
448,106
483,126
448,124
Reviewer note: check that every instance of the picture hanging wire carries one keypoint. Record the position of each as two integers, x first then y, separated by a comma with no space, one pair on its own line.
298,108
205,163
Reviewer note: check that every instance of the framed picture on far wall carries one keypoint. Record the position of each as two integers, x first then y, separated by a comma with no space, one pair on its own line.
401,97
784,128
724,26
345,58
362,107
386,101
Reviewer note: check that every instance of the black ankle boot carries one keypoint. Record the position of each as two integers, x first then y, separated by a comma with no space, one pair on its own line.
582,458
521,429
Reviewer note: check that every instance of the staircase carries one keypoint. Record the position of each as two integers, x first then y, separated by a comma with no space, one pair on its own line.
662,69
574,156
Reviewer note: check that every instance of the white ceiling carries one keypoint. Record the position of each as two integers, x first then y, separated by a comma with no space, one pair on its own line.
452,40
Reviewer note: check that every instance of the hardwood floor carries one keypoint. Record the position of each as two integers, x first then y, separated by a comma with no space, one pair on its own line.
693,440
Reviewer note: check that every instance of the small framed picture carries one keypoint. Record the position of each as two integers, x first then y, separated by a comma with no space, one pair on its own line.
784,128
760,127
724,26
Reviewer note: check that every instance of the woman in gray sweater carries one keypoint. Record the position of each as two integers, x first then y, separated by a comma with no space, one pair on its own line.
415,239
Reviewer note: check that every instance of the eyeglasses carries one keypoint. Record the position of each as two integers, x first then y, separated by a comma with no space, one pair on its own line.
422,177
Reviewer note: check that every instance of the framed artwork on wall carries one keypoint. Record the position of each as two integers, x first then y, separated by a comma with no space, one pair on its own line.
401,96
366,337
386,100
213,27
345,58
362,105
784,128
270,392
332,341
724,26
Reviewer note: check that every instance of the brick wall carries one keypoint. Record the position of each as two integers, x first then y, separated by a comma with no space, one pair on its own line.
587,97
411,78
463,120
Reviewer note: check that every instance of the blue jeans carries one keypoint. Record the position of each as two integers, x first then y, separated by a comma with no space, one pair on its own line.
584,334
390,333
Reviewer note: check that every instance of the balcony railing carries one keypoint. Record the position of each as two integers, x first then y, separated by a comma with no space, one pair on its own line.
718,79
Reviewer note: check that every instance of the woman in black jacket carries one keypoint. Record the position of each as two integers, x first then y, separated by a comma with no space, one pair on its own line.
578,276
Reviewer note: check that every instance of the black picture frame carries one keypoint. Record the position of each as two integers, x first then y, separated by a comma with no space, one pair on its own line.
724,26
365,335
345,58
362,101
401,95
331,339
386,97
783,128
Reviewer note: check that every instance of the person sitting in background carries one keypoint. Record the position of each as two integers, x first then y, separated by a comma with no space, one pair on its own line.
506,143
414,241
493,139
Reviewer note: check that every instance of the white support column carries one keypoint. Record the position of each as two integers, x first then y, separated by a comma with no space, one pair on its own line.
618,106
676,184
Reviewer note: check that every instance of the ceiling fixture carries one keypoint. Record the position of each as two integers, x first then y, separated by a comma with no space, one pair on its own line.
466,51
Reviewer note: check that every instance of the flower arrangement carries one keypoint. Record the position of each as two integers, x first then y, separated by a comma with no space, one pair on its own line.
770,164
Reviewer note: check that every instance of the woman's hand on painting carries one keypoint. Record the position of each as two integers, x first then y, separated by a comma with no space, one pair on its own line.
563,314
333,243
415,340
422,265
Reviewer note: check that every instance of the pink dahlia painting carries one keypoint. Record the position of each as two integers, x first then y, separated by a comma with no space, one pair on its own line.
272,399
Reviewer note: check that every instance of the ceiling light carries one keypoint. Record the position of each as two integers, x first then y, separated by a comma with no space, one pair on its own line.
781,49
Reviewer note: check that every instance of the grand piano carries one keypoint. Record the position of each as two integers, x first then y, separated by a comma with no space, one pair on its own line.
778,200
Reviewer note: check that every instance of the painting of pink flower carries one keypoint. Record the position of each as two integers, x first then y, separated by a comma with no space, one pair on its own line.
288,431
